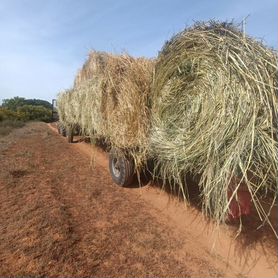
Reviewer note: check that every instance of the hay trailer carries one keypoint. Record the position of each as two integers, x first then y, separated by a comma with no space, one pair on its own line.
204,106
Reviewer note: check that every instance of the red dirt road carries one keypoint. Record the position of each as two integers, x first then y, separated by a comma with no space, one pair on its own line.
61,215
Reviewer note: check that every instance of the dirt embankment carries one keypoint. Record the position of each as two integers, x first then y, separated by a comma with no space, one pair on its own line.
61,215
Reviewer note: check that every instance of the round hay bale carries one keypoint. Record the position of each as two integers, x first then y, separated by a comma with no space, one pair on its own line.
111,99
95,63
64,107
214,114
126,105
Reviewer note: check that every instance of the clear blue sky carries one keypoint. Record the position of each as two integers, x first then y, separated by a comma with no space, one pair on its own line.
44,42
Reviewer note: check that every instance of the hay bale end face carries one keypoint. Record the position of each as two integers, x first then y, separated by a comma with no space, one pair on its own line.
64,107
214,113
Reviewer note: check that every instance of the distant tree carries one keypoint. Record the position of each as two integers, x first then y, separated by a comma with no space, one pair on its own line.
19,108
35,113
13,103
38,102
16,102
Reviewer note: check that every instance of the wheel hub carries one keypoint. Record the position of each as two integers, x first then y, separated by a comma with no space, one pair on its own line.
116,167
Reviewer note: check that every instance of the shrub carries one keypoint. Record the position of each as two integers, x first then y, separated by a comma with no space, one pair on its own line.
6,114
16,102
34,113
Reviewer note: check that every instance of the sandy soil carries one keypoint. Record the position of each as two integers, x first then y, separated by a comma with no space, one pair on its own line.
61,215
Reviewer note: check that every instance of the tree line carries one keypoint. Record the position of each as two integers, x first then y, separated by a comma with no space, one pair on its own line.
21,109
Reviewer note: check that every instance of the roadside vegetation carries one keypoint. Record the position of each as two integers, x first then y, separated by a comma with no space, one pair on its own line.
15,112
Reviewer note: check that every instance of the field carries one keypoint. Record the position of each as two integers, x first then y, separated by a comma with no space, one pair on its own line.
62,216
7,126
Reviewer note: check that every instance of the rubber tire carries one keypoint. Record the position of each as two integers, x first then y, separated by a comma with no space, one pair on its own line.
126,168
63,130
70,135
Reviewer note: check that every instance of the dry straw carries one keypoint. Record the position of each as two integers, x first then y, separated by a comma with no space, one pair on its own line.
215,114
111,99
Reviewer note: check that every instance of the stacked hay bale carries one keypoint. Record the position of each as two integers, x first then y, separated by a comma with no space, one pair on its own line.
214,114
95,65
111,99
64,107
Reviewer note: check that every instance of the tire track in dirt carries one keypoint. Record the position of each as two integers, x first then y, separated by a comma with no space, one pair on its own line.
117,203
253,253
35,229
59,218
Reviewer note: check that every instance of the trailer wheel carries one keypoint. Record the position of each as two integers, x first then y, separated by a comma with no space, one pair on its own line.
70,135
63,131
121,168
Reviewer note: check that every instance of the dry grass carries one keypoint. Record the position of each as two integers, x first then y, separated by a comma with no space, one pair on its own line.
61,219
215,114
7,126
